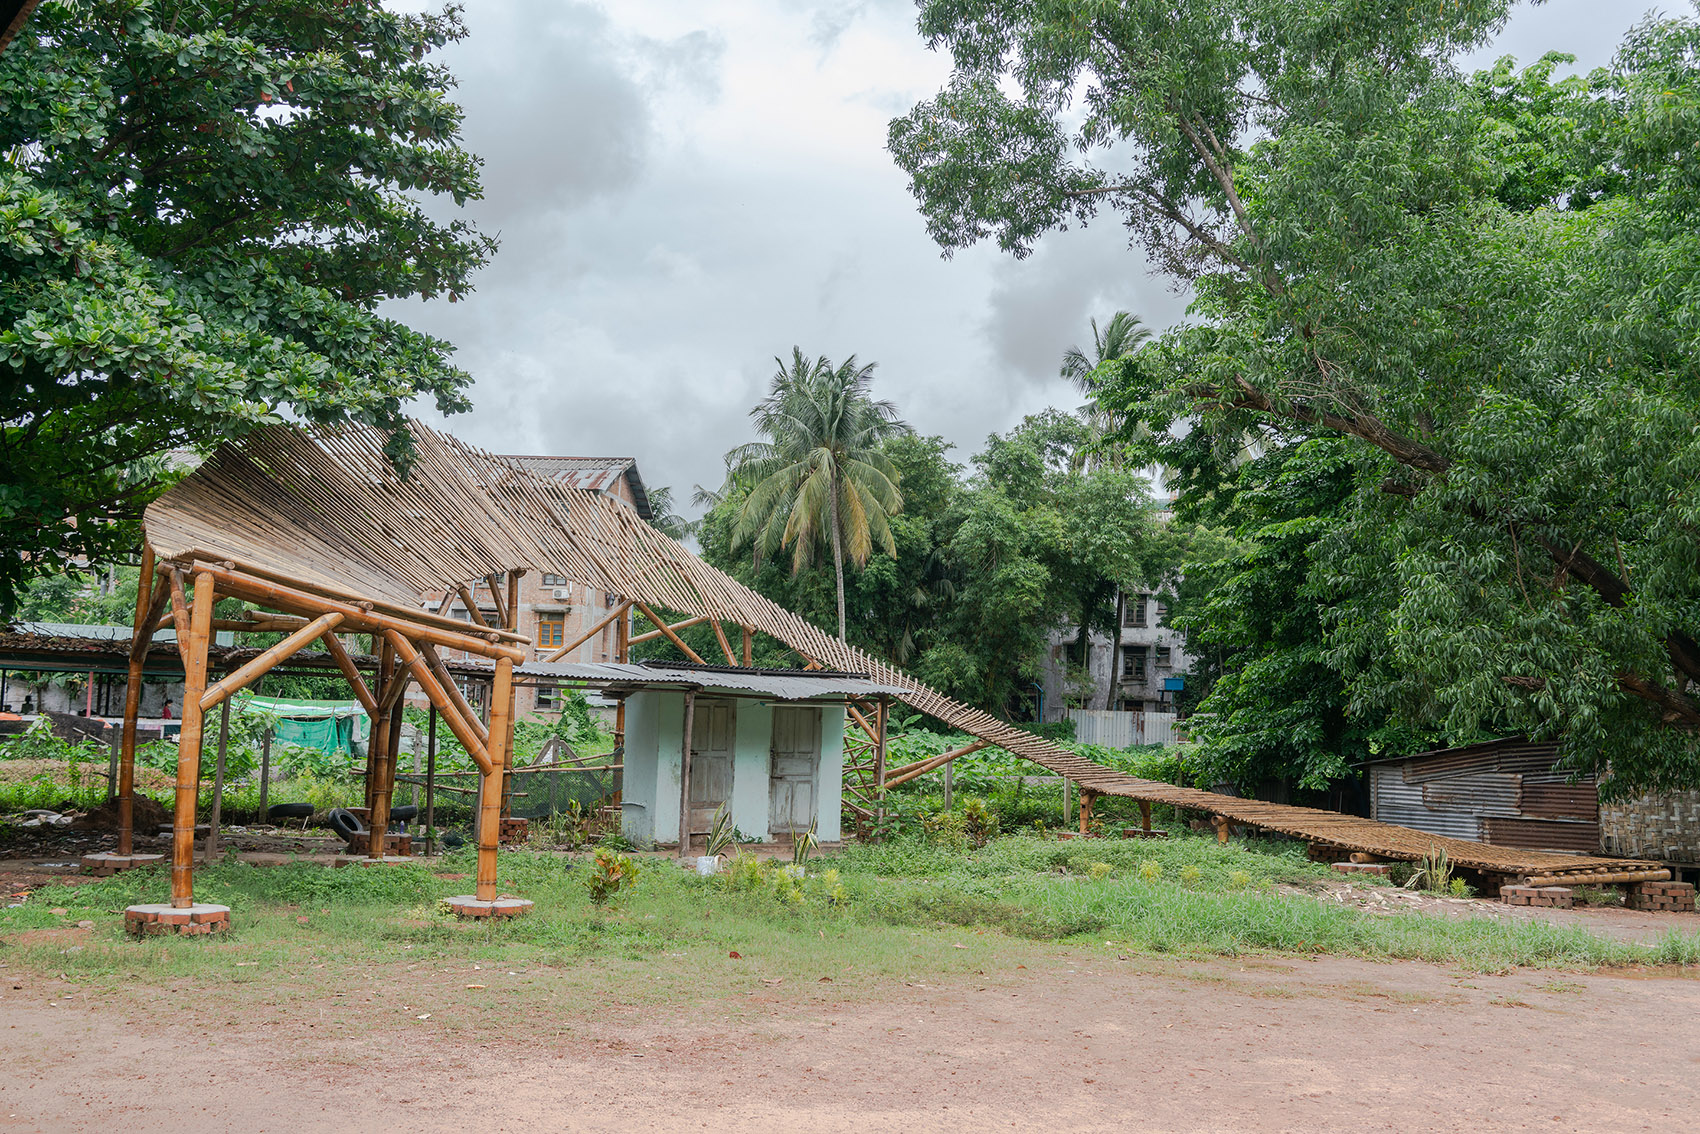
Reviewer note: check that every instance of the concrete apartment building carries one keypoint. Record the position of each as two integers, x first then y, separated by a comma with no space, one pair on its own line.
1135,673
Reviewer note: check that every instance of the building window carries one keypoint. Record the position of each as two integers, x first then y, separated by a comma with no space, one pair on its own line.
551,631
1165,657
545,698
1133,663
1162,614
556,580
1134,613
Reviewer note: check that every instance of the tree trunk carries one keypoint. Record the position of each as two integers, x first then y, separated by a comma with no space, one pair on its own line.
838,558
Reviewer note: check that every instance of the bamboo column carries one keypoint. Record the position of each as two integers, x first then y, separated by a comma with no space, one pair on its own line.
189,744
879,764
685,775
142,635
490,787
217,814
379,734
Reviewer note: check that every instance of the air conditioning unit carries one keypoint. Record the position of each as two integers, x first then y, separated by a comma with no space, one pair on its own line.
562,594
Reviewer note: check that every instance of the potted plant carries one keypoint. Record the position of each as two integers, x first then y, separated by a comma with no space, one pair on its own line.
721,833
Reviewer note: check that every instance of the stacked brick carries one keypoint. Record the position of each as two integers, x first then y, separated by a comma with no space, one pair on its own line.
149,920
1674,897
394,844
1380,868
1553,897
514,830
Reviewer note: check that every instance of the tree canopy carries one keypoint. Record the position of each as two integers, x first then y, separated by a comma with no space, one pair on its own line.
1484,283
820,478
201,208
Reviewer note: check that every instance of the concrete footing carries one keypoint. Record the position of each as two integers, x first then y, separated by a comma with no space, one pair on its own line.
162,918
466,905
102,864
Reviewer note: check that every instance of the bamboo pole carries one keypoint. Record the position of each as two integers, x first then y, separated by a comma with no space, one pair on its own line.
339,654
462,727
499,599
661,630
725,646
617,613
451,691
879,762
344,596
749,646
189,742
356,616
217,815
265,772
145,606
512,621
180,613
471,602
685,775
273,656
921,767
378,821
431,783
378,734
490,790
668,632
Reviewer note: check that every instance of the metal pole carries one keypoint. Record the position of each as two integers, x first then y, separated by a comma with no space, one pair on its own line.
685,775
431,784
265,771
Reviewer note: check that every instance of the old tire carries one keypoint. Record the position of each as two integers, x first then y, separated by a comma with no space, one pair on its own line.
344,824
290,811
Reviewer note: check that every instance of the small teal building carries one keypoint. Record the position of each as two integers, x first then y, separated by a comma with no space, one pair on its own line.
769,744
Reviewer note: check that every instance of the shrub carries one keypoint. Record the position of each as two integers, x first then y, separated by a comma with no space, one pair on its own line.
979,822
610,872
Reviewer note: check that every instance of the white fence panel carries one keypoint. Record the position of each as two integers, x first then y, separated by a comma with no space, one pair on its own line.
1116,729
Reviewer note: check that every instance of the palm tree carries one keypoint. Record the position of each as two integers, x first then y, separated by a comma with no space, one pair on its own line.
1121,337
820,477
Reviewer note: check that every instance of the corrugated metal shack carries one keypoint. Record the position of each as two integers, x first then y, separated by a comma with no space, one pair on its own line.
1505,792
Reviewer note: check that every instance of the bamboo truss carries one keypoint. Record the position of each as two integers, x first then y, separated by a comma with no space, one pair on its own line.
317,522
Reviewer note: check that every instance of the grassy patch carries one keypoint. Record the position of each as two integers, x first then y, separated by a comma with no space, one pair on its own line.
306,937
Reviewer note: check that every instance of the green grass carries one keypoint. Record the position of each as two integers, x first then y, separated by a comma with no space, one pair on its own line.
898,910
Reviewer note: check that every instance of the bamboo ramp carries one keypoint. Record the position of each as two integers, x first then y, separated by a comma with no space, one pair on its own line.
325,507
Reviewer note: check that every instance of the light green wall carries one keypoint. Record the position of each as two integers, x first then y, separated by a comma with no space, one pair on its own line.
655,720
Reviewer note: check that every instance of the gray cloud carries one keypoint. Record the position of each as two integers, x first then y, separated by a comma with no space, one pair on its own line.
686,191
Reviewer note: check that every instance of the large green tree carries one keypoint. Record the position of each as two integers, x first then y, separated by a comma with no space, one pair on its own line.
1486,284
820,478
202,206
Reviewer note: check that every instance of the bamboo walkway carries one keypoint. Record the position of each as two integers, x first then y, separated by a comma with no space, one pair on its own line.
325,507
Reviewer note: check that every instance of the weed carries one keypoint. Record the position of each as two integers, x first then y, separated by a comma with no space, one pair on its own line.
609,873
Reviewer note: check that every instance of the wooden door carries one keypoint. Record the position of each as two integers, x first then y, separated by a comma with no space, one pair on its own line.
713,731
794,770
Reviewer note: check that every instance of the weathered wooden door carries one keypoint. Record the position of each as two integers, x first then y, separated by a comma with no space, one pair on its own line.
794,770
713,729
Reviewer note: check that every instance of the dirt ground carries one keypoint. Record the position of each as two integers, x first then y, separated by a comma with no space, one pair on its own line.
1080,1042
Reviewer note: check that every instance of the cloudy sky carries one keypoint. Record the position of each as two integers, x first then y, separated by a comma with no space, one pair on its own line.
684,190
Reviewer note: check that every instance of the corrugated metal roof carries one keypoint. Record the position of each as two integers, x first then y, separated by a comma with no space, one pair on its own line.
592,474
786,685
87,630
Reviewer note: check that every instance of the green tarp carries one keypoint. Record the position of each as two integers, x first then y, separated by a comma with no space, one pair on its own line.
330,726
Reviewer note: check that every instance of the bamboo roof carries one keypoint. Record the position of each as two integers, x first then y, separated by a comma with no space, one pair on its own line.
327,505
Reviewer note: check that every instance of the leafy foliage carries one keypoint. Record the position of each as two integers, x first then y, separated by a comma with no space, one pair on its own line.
201,208
1485,284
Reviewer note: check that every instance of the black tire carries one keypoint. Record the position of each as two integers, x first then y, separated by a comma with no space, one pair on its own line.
344,824
290,811
452,840
404,814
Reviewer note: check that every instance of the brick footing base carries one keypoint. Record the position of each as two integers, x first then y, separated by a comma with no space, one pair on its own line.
103,864
393,844
1378,868
1674,897
466,905
1557,897
514,830
143,921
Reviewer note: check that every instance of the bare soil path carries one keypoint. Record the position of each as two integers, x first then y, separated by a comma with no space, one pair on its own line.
1083,1042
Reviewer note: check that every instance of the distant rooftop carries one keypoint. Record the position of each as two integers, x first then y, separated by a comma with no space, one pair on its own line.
593,474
